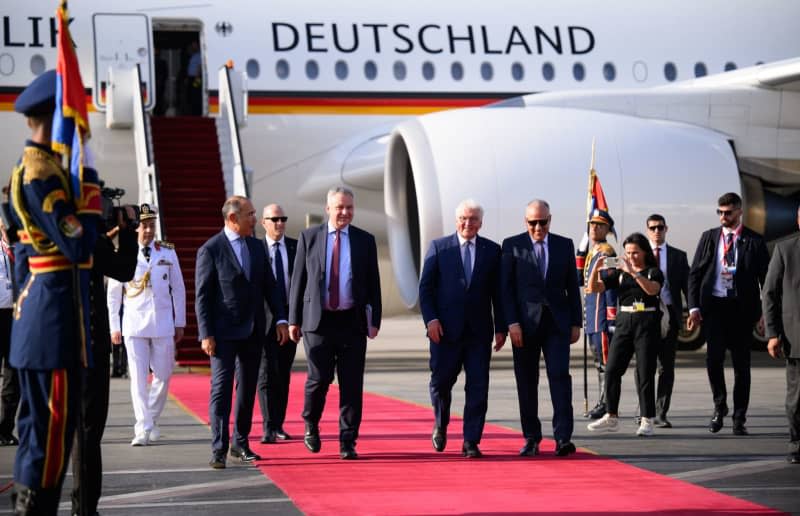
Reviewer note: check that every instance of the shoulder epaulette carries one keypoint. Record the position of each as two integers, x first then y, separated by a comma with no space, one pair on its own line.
606,249
162,243
38,165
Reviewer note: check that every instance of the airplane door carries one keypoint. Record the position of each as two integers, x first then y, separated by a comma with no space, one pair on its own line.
122,41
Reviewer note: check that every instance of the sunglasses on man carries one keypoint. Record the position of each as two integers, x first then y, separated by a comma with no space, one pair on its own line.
277,219
725,213
657,227
538,222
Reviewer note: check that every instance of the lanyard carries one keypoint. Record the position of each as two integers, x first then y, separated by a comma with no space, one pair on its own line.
727,247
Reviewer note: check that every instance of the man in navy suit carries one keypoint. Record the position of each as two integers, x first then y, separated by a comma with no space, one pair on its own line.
729,267
458,292
232,281
542,307
335,304
275,373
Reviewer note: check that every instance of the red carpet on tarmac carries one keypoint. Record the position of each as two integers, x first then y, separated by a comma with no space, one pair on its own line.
399,473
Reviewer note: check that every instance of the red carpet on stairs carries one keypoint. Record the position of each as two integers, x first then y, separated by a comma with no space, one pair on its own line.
399,473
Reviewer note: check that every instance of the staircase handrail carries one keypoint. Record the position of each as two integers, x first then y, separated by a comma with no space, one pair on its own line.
228,111
147,169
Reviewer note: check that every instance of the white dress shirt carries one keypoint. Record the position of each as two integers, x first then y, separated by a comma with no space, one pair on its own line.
284,257
719,289
462,245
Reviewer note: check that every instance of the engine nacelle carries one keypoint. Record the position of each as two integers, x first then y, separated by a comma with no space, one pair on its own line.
506,156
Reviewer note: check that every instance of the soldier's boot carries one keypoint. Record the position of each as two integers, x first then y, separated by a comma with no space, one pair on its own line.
35,502
599,410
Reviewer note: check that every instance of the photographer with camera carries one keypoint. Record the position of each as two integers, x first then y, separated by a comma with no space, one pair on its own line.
153,318
119,263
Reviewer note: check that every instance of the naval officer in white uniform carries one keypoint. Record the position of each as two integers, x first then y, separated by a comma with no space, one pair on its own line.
153,317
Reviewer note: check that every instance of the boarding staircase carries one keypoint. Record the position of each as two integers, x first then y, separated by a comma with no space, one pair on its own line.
192,192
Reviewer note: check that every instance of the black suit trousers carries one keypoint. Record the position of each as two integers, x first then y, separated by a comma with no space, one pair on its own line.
728,328
274,377
239,358
337,346
793,402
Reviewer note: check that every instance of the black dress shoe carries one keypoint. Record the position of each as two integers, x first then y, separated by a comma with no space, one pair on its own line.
281,434
793,458
217,461
268,438
8,440
740,429
717,420
564,448
530,449
245,454
311,439
662,422
439,438
597,412
347,450
470,450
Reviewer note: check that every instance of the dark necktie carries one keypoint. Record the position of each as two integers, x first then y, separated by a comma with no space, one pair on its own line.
658,256
468,262
730,251
245,257
279,274
146,252
333,285
538,250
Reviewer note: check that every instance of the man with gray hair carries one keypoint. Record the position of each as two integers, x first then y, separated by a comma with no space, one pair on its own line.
335,304
459,292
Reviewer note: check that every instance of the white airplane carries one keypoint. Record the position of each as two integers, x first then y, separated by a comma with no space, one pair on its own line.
423,104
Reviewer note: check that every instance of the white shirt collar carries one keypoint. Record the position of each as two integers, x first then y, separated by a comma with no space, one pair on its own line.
462,240
271,242
546,237
726,231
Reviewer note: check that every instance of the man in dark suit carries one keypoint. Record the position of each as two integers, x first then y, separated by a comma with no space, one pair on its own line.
335,303
542,307
232,281
729,266
458,292
675,266
275,373
781,300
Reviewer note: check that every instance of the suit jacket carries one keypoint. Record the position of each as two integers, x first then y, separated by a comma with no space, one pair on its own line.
751,269
228,305
444,295
525,294
291,251
678,280
781,296
307,291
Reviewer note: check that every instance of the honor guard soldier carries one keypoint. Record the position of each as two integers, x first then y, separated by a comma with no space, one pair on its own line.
600,308
153,317
50,332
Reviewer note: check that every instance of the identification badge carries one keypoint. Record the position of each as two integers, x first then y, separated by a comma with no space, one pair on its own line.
638,306
726,277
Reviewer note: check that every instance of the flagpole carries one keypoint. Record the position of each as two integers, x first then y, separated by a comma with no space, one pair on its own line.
585,338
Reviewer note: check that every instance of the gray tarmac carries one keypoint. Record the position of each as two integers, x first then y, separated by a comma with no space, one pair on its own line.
172,476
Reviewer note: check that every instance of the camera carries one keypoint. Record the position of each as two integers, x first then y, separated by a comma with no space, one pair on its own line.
612,262
112,209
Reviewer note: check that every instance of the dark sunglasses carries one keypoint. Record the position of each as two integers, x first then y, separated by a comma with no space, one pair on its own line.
657,227
277,219
725,213
538,222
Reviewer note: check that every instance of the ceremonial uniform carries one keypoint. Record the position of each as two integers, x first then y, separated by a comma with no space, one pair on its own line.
153,305
50,332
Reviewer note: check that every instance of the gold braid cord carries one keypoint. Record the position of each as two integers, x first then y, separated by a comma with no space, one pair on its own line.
44,246
137,287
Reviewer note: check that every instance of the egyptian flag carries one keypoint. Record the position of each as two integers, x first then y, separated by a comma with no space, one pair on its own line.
596,200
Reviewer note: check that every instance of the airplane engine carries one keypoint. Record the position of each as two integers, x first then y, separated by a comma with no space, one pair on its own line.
505,156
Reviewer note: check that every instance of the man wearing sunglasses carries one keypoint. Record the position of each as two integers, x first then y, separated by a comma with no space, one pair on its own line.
542,308
275,372
729,267
675,266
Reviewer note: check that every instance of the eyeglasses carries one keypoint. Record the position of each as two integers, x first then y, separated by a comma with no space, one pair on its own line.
538,222
725,213
277,219
471,220
657,227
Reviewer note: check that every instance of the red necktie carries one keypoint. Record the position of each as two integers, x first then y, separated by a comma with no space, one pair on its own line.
658,256
333,286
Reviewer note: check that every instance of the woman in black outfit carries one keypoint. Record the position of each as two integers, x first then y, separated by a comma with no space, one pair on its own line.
638,282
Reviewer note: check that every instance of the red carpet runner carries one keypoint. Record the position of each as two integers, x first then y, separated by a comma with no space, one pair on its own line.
399,473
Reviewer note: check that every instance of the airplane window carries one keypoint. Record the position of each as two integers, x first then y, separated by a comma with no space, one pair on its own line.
578,71
6,64
457,71
312,69
548,72
340,69
486,71
37,64
640,71
700,69
399,70
370,70
670,72
730,65
517,71
428,71
282,69
252,68
609,71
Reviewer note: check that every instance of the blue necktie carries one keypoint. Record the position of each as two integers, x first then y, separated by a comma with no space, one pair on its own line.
538,250
468,262
245,254
279,274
